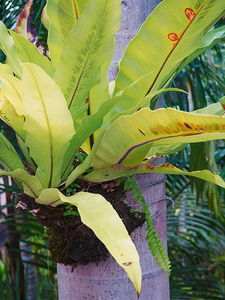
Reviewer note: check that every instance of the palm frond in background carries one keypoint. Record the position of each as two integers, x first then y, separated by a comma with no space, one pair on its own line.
196,235
24,250
204,79
197,251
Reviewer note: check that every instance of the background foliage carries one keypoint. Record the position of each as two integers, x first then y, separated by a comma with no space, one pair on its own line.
196,234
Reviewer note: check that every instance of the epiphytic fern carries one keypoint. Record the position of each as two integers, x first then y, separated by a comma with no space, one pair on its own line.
155,245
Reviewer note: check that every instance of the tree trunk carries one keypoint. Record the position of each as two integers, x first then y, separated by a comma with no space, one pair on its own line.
134,13
107,280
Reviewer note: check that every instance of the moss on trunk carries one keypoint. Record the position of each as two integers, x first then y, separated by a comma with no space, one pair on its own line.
70,241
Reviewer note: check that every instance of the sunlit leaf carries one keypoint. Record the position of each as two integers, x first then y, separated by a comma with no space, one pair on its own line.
12,90
48,124
182,25
5,69
28,52
98,95
88,126
88,46
9,48
62,16
127,105
44,18
10,117
9,158
116,171
99,215
128,140
212,109
31,184
109,111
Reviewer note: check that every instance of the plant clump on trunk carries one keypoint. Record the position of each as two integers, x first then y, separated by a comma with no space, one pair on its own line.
70,241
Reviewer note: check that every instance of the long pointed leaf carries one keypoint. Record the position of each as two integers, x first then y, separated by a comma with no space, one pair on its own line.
63,15
25,151
31,184
28,52
99,215
82,168
48,123
128,140
182,24
90,124
9,48
4,142
88,46
116,171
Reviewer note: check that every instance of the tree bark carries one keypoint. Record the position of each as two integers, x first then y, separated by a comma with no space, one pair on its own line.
134,13
107,280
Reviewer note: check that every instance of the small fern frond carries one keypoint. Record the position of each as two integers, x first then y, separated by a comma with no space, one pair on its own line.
155,245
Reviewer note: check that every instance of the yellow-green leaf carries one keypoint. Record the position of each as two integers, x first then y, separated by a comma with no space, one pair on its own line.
44,18
9,48
172,32
10,117
28,52
26,154
88,46
99,215
12,90
6,143
62,15
6,69
212,109
116,171
98,95
9,159
82,168
128,140
48,123
128,105
31,185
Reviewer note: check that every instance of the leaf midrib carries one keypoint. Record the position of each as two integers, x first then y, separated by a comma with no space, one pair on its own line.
87,57
49,131
157,139
173,49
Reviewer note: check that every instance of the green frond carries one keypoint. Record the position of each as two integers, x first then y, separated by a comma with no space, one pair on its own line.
155,245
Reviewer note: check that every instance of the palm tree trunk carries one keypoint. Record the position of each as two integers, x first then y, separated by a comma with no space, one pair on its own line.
134,13
107,280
